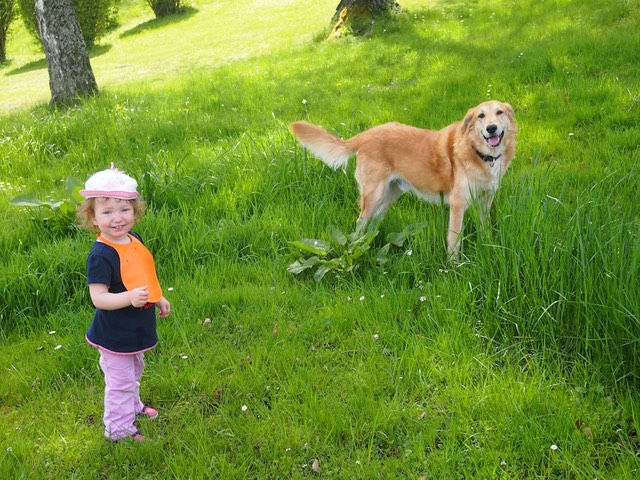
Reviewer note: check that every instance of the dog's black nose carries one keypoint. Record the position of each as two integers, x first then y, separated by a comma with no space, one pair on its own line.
491,129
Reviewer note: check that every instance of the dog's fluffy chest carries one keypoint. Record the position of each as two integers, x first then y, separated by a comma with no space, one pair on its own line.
486,176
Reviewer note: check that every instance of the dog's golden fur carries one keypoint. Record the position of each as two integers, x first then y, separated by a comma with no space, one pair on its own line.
462,163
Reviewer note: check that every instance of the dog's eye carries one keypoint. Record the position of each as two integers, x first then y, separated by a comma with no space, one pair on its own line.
499,112
481,115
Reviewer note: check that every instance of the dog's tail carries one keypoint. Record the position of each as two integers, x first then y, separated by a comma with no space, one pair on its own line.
332,150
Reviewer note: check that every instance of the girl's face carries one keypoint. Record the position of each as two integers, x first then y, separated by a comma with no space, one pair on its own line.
114,218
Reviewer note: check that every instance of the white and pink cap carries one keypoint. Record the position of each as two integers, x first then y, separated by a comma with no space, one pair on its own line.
110,183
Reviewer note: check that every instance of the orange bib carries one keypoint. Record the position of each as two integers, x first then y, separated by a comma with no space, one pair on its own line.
137,267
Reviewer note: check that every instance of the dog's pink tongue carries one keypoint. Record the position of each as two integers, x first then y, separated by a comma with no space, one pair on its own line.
494,141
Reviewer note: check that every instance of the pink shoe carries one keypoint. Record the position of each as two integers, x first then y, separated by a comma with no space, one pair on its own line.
138,437
148,412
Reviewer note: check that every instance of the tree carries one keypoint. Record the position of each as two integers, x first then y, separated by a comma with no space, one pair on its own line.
357,15
7,14
70,73
163,8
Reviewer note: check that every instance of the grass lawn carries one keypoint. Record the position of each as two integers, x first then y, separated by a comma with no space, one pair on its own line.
521,361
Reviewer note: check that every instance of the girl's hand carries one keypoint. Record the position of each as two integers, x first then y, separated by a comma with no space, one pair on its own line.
164,306
139,296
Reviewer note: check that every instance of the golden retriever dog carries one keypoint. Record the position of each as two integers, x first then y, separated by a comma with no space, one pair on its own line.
461,164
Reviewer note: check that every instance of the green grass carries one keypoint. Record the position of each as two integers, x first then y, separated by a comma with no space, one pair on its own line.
422,369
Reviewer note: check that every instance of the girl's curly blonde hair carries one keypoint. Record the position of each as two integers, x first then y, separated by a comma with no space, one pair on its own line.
86,211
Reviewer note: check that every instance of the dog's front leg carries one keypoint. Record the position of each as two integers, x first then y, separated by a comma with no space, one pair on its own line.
456,216
484,203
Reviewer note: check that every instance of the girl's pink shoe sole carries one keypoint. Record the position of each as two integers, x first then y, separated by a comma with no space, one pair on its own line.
148,412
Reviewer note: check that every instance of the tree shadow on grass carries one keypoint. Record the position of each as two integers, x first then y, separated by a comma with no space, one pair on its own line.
94,51
184,14
28,67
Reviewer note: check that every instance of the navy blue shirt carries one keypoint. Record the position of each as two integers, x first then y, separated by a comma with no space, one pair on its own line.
129,329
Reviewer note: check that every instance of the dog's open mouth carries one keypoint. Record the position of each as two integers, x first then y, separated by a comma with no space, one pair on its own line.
494,140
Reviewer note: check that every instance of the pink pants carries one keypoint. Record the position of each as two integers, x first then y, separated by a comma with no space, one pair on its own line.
121,393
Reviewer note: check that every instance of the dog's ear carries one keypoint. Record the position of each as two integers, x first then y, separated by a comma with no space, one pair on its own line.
509,111
468,119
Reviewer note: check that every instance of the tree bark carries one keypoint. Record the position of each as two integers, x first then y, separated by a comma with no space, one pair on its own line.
348,10
70,73
373,6
7,15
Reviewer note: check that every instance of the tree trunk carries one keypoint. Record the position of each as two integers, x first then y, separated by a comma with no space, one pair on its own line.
363,11
7,14
70,73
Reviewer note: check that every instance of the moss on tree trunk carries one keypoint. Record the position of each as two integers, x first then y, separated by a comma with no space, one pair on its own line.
357,16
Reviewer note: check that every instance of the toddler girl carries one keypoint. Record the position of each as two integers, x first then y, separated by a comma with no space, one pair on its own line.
124,288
